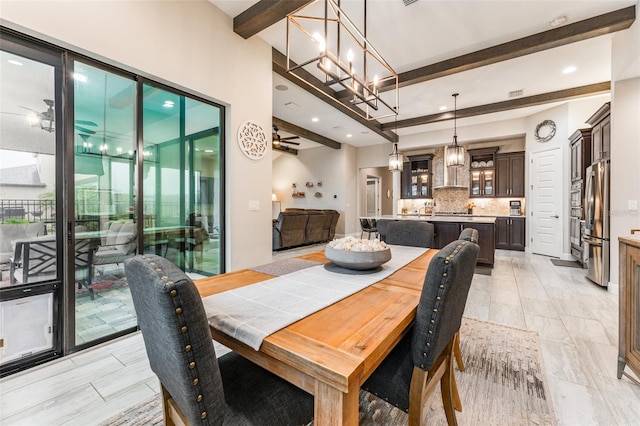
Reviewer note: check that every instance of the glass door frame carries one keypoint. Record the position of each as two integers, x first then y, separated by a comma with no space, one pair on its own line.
63,287
49,55
70,344
142,81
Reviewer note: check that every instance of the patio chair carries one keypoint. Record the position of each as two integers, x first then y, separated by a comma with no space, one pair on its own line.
424,356
118,244
36,259
410,233
198,388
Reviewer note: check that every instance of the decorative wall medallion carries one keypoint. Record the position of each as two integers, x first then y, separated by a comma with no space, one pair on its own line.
545,131
252,140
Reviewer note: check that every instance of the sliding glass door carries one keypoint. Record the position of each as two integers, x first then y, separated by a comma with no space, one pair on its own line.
181,180
104,129
97,164
31,243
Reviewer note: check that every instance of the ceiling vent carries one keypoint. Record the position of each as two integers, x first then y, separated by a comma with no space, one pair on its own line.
408,2
516,93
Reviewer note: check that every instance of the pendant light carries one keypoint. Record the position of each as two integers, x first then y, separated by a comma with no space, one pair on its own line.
395,158
455,153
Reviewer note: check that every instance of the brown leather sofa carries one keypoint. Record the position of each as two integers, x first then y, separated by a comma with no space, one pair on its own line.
297,227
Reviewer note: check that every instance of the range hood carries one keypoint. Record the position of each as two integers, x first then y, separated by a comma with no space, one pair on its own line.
451,178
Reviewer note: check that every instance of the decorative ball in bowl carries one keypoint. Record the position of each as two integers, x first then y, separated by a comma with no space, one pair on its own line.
352,253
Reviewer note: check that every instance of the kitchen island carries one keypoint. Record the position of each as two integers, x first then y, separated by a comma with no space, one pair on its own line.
448,228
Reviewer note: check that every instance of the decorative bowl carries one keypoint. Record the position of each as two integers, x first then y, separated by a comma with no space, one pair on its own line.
358,260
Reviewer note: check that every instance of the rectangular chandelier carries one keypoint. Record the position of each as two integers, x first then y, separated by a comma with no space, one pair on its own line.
338,54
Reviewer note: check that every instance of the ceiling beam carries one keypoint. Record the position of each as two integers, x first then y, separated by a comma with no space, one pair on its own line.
593,27
325,94
560,95
286,149
264,14
304,133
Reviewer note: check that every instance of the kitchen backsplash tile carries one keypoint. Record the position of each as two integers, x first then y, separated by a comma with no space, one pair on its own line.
457,199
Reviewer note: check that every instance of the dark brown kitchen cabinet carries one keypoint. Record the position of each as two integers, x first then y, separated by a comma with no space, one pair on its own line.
417,177
580,153
510,233
486,241
601,133
510,175
446,232
482,172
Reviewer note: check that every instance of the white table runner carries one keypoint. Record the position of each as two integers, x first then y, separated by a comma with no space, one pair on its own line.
251,313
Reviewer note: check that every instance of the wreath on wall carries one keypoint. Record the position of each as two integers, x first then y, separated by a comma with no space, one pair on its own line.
545,131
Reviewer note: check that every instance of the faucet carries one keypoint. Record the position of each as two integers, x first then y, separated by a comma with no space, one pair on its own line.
423,209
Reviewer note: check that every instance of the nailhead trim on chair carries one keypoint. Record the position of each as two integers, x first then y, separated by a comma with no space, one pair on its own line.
435,316
191,366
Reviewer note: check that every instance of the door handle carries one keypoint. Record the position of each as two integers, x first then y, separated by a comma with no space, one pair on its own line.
555,216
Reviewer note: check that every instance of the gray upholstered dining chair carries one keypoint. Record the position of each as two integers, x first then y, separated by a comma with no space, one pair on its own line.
424,356
469,234
409,233
198,388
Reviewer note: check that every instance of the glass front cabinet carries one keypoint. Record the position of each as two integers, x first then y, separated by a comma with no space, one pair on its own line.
482,172
417,177
482,183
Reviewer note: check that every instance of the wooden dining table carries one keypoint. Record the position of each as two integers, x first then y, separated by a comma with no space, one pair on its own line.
332,352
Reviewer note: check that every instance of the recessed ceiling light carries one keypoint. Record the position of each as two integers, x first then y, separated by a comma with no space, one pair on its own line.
14,62
443,108
315,119
79,77
208,150
349,135
569,69
282,87
168,104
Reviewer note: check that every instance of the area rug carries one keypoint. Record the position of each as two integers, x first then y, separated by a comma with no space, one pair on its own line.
569,263
504,383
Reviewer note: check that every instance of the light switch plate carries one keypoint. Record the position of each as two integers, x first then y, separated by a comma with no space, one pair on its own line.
633,204
254,205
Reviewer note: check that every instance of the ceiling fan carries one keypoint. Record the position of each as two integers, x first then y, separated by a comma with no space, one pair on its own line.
277,139
46,119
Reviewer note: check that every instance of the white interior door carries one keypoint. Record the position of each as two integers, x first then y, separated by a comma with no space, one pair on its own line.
546,202
373,196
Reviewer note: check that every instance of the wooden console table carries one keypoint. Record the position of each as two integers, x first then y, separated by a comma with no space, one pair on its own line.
629,341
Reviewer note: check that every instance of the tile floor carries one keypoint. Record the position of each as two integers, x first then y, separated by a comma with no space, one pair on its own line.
577,323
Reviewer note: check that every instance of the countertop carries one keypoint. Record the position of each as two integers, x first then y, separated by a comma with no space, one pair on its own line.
632,240
452,218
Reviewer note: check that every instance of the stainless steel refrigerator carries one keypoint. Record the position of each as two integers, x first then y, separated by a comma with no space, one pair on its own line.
596,232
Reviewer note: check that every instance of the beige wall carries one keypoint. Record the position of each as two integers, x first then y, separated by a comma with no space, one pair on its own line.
386,189
625,161
322,164
625,137
190,44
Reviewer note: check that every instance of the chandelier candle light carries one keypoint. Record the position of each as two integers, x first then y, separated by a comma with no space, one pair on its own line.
455,153
348,68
